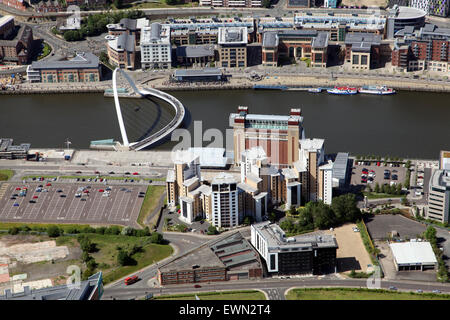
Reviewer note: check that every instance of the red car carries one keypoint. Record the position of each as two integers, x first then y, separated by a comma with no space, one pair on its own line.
101,190
378,164
131,280
135,174
48,184
197,286
17,189
35,197
86,191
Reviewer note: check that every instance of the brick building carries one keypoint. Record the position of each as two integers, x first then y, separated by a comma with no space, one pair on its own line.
6,27
17,51
16,4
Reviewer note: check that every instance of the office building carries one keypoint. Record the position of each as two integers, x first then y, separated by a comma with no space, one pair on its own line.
17,51
201,31
196,55
232,47
338,25
156,50
6,27
127,26
90,289
413,256
400,17
84,67
122,51
362,50
224,201
306,254
296,44
278,135
229,258
438,207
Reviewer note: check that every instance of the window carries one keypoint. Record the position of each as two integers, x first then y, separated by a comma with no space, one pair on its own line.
355,59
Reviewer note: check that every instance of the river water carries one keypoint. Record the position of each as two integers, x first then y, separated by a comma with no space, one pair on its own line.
408,124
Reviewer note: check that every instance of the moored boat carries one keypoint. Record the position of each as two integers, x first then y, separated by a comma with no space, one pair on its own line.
315,90
380,90
343,90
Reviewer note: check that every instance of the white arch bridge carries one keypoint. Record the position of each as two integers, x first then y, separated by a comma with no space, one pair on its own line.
161,134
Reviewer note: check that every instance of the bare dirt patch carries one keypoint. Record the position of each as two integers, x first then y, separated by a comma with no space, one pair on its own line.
351,254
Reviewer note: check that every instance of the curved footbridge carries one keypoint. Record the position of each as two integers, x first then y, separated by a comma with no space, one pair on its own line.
161,134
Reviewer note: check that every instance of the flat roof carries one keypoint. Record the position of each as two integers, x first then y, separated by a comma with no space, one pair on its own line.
408,253
233,35
340,165
198,72
311,144
402,12
224,178
85,60
195,51
210,157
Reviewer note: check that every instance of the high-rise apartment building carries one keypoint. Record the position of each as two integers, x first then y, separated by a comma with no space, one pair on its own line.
278,135
439,191
224,201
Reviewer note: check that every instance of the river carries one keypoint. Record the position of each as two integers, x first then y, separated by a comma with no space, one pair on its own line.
408,124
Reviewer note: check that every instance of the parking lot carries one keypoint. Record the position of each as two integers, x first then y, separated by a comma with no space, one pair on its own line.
71,203
380,225
376,174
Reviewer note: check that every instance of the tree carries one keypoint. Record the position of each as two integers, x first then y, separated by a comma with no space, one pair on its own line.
323,216
377,188
247,221
345,208
13,231
212,230
398,190
404,201
293,210
156,238
128,231
85,256
430,235
272,217
123,258
91,264
266,3
53,231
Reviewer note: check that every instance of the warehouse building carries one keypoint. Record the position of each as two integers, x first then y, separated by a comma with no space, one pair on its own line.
229,258
10,151
413,256
306,254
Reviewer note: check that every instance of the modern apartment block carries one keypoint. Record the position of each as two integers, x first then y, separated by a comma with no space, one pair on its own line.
278,135
130,27
231,3
84,67
232,47
295,44
440,8
427,48
224,201
156,49
308,254
362,50
439,191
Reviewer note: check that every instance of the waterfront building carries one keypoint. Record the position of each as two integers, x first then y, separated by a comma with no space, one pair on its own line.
291,187
11,152
17,51
90,289
129,27
232,3
195,55
16,4
229,258
297,44
337,25
224,201
305,254
325,183
156,49
400,17
122,51
84,67
6,27
278,135
438,207
200,31
362,50
206,74
427,48
232,47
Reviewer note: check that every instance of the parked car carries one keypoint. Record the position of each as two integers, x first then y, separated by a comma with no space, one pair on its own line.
197,286
392,288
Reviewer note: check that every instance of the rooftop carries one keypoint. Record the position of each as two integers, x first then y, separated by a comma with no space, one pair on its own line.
184,156
311,144
224,178
402,12
277,241
413,253
211,157
4,20
155,34
195,51
340,165
321,41
198,72
255,153
122,42
233,35
84,60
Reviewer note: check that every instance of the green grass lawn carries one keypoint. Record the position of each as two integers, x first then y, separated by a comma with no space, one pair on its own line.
225,295
45,51
373,195
359,294
107,254
6,174
151,200
34,226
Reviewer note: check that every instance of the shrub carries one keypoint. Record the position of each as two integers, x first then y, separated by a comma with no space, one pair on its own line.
156,238
114,230
53,231
13,231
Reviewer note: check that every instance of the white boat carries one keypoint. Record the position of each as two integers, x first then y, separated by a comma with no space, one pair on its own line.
380,90
343,90
315,90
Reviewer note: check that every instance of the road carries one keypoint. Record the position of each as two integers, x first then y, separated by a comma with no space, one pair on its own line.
134,291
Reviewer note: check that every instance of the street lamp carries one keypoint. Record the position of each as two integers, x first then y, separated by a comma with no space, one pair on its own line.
68,143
